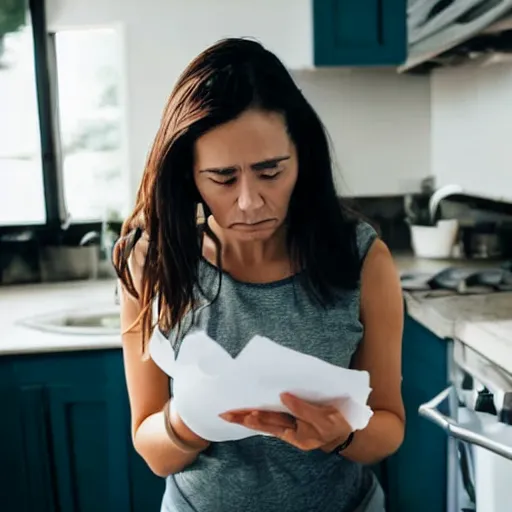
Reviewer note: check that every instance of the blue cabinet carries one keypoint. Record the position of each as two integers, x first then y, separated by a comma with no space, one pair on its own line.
24,469
416,474
65,436
359,32
65,440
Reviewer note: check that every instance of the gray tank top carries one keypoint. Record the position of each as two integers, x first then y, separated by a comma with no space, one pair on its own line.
263,473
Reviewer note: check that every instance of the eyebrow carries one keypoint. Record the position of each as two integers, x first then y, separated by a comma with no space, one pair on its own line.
257,166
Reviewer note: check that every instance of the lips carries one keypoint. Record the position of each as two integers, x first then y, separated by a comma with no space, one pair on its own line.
252,225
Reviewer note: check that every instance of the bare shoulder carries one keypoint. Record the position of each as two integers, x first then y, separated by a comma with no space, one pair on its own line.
380,282
378,255
379,264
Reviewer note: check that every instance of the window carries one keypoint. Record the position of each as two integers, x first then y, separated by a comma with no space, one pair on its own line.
62,150
88,65
22,199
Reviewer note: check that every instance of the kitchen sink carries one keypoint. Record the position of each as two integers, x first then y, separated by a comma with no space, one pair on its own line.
95,322
100,321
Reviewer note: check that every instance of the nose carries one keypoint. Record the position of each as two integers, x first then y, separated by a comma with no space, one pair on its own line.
249,197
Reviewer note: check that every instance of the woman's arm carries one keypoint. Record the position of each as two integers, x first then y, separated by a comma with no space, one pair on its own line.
148,390
380,353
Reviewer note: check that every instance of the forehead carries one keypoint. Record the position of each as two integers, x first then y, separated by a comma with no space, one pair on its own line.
251,137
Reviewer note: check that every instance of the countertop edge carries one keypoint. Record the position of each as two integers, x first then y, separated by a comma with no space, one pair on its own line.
102,343
476,334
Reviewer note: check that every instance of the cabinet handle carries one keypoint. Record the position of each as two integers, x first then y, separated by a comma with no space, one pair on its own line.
454,429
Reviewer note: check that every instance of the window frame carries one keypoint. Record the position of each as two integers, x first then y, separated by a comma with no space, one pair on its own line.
55,207
57,228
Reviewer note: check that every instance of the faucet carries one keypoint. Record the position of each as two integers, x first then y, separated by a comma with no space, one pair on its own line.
90,238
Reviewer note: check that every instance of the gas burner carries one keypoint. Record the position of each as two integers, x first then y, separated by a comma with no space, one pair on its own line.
461,281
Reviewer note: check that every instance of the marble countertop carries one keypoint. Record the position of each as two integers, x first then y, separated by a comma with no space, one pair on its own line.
483,322
406,262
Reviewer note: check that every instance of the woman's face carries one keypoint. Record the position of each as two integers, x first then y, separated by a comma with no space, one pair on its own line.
245,171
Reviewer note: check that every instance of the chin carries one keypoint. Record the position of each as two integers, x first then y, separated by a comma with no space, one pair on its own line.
259,235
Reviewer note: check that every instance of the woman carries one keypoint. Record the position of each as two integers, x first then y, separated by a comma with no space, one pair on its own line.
277,255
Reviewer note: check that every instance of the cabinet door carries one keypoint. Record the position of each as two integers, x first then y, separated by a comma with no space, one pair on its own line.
359,32
419,468
417,473
25,469
65,442
147,489
90,440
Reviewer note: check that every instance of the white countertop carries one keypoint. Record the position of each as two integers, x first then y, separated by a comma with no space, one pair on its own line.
483,322
25,301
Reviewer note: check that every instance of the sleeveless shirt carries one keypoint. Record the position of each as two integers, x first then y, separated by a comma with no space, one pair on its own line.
261,472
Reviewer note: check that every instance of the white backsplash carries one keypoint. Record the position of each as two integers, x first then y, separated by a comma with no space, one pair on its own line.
471,127
379,125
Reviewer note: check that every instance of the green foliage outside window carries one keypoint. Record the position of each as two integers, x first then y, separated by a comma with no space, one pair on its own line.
12,18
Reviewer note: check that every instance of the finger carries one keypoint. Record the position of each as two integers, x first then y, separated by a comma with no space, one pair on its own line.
306,411
237,412
326,420
254,422
269,418
304,438
236,415
276,419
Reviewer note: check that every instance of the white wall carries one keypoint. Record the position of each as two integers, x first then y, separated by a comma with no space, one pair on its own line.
162,36
472,129
378,121
379,126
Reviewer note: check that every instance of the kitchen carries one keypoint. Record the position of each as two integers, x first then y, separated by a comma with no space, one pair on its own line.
401,127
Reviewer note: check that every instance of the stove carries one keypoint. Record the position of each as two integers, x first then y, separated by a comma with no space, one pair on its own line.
460,280
476,413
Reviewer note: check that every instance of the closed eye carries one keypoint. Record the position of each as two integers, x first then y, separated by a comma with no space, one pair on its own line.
266,169
270,176
263,176
230,181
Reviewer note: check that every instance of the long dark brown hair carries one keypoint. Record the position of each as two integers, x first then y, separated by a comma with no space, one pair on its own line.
225,80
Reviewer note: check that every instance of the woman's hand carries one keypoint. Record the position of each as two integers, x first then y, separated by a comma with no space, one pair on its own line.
309,427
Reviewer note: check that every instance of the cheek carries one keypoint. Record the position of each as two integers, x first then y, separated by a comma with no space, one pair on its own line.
215,198
286,190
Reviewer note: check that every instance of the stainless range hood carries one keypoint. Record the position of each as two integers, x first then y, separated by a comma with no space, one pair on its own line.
437,26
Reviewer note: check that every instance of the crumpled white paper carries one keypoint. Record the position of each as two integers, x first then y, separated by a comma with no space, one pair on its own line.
208,382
